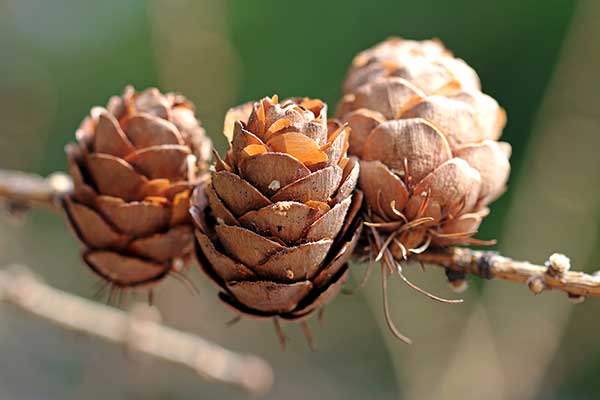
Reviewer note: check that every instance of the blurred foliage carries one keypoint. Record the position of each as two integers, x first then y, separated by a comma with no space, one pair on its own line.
59,58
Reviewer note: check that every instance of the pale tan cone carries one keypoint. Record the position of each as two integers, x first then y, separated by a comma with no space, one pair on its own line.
278,219
427,139
134,168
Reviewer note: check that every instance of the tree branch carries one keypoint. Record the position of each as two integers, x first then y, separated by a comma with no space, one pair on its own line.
554,275
21,190
138,331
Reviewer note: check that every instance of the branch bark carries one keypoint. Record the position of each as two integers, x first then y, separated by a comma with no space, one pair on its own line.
138,331
554,275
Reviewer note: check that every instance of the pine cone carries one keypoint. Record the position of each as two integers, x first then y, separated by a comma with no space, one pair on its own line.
277,222
427,139
134,168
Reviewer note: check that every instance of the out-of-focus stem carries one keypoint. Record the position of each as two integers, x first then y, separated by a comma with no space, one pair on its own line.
137,331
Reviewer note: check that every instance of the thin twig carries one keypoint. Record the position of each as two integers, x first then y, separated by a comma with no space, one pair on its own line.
136,331
21,190
555,275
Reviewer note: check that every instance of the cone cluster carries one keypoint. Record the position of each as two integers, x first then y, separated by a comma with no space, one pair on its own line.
134,166
427,138
277,218
277,221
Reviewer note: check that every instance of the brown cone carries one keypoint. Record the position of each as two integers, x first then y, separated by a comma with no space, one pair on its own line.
427,139
134,167
277,221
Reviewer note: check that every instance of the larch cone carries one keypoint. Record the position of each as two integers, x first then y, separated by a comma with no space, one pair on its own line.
278,219
134,166
430,159
427,139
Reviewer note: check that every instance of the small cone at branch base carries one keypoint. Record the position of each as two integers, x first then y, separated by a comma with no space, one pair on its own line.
278,220
134,166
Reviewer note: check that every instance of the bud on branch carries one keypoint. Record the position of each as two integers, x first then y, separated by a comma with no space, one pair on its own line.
554,275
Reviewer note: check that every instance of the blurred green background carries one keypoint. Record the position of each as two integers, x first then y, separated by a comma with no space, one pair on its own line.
540,60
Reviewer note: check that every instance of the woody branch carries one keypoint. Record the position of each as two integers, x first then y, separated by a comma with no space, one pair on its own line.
138,331
554,275
22,189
